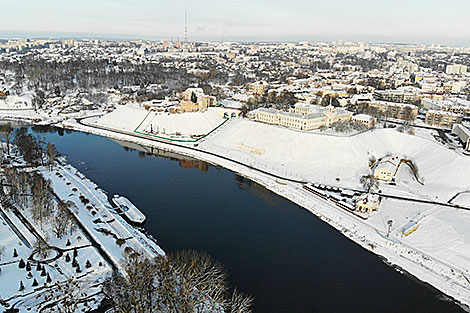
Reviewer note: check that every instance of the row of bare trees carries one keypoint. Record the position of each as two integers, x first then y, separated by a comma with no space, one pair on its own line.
30,190
186,281
34,150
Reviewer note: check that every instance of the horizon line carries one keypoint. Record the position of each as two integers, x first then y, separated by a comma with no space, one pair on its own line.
53,35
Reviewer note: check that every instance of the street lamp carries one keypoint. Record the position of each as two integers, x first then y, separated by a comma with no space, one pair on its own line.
389,223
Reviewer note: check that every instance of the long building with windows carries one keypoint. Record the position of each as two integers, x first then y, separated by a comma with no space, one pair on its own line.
400,111
304,117
458,109
442,118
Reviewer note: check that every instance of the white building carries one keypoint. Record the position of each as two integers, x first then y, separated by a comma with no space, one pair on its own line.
364,119
456,69
464,135
305,117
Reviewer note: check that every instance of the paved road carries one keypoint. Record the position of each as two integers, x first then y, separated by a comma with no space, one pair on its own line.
7,203
426,201
15,230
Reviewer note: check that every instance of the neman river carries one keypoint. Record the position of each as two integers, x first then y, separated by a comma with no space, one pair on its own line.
274,250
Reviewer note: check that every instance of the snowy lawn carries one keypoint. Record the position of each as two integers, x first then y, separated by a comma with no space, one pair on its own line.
132,118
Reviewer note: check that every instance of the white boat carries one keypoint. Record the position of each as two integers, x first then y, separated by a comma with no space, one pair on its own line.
129,209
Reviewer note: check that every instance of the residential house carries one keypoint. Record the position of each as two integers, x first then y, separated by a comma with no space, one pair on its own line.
387,168
367,203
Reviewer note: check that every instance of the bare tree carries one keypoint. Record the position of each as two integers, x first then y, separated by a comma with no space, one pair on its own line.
369,182
239,303
11,175
414,169
372,161
6,130
134,292
51,155
42,205
42,247
24,188
202,281
29,147
69,296
63,220
183,282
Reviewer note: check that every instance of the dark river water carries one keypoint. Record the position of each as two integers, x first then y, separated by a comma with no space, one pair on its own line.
282,255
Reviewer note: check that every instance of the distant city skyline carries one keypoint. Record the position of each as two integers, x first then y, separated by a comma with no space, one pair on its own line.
419,21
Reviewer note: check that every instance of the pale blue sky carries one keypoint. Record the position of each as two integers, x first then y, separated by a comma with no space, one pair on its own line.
429,21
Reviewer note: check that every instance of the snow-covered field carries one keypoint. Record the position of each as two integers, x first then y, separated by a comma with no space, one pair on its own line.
131,118
445,234
124,117
23,102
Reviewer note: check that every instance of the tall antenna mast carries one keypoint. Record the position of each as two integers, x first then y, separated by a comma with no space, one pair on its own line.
185,26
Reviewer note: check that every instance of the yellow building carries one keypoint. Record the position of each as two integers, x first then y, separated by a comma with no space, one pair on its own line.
335,115
188,93
442,118
458,109
334,93
364,119
367,203
258,88
387,168
194,100
302,108
268,116
189,106
400,111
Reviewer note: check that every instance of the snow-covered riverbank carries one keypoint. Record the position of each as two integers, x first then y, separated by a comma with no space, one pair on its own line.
452,278
439,253
98,241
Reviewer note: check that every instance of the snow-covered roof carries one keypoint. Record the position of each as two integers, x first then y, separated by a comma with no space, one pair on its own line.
363,117
234,104
304,105
368,199
447,113
388,163
266,110
395,104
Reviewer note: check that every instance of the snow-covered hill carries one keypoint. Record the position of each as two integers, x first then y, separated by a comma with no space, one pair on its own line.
323,158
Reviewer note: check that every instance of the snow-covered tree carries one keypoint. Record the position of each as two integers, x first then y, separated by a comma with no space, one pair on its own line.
51,155
183,282
63,220
67,296
369,182
42,204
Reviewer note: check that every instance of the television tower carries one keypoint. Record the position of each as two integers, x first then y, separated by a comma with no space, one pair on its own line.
185,27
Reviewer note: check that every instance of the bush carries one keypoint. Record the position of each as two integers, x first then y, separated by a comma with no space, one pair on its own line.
120,241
